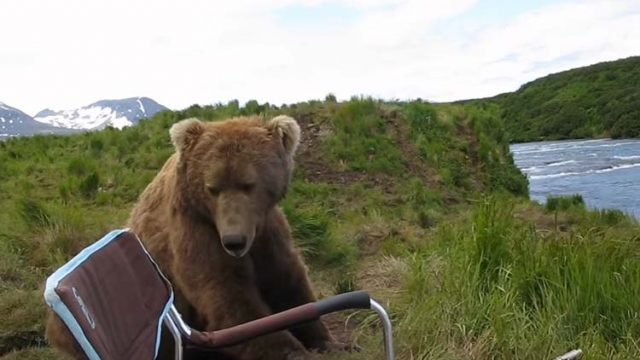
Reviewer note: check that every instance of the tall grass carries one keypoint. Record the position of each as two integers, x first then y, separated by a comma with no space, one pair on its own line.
497,288
439,144
361,140
555,203
313,225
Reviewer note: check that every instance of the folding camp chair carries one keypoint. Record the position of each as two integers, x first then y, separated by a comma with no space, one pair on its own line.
114,300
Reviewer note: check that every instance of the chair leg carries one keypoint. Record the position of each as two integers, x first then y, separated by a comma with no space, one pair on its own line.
177,337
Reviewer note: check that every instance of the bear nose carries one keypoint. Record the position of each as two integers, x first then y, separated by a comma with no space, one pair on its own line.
234,244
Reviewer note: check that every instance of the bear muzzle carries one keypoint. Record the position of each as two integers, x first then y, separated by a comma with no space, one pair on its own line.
235,245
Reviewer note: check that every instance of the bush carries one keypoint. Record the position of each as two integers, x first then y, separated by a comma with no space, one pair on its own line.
612,217
330,98
563,203
90,185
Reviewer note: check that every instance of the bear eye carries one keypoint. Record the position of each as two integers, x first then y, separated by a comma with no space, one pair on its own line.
214,190
247,187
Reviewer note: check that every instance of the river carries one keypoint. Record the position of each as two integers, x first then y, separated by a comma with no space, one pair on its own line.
605,172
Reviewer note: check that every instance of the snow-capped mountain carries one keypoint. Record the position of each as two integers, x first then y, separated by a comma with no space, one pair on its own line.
14,122
115,113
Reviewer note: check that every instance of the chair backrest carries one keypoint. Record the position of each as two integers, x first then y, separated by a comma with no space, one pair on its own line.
113,298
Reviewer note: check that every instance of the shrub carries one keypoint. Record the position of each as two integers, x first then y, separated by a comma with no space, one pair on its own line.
556,203
330,98
89,185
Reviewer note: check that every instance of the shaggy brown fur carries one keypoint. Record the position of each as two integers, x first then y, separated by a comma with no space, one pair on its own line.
223,184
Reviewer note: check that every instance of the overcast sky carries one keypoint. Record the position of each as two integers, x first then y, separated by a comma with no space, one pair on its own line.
66,54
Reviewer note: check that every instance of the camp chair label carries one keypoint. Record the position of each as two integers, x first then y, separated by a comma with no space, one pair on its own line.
84,308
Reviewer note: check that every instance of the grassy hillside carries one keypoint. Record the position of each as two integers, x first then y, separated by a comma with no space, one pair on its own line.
419,204
594,101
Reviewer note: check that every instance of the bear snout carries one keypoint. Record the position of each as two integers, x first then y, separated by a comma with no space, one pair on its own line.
235,245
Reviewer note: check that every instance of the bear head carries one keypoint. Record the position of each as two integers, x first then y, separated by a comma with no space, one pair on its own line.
232,173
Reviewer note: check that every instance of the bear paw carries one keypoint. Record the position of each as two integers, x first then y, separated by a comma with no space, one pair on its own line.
336,346
298,355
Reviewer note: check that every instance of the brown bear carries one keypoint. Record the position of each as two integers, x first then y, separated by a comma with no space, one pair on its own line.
211,221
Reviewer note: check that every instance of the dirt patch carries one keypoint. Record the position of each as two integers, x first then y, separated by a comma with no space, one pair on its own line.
311,159
473,155
414,163
382,277
340,326
544,222
370,239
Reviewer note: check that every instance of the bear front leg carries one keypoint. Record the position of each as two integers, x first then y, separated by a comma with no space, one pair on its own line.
283,281
222,290
59,336
288,287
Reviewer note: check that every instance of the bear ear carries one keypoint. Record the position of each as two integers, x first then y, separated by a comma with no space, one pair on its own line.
184,133
288,130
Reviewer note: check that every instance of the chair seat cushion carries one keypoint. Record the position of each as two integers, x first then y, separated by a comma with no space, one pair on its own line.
112,297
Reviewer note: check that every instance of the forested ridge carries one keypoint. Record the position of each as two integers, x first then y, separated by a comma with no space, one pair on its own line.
601,100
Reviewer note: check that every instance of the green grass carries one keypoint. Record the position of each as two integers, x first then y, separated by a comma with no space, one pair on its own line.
421,204
491,286
311,223
361,140
34,354
555,203
435,137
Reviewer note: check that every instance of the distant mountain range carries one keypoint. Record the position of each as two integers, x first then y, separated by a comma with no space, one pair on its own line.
99,115
14,122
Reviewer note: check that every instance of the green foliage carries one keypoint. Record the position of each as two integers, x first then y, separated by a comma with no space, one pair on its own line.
500,289
423,119
437,139
80,166
330,98
493,151
360,139
311,226
426,203
627,126
252,107
466,144
555,203
488,247
593,101
89,185
611,217
33,213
